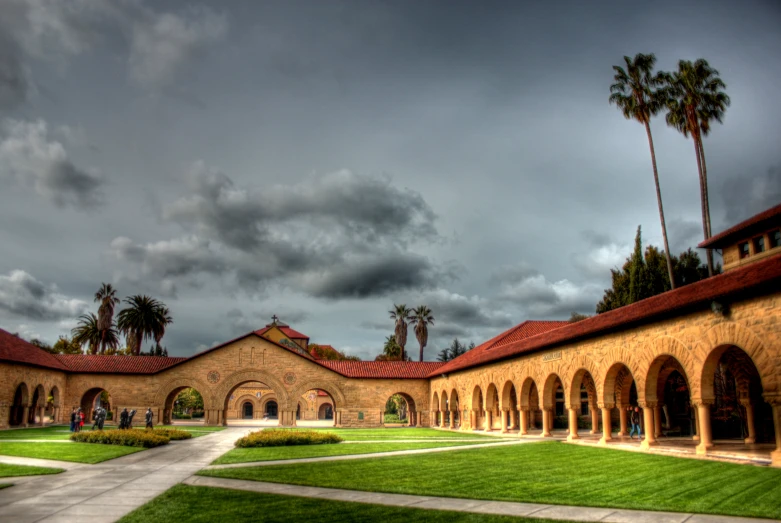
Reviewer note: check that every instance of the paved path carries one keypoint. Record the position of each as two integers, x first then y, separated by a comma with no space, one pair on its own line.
477,506
105,492
36,462
366,456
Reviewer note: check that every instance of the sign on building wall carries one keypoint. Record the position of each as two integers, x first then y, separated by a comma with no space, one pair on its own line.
552,356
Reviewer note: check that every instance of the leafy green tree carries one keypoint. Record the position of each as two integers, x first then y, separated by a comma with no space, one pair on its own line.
576,317
107,297
157,350
397,405
421,319
66,346
187,401
87,331
635,93
145,318
391,351
401,314
455,350
694,98
325,352
40,344
650,276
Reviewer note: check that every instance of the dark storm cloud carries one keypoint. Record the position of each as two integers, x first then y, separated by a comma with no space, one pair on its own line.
24,296
746,195
682,235
28,155
242,321
15,85
341,235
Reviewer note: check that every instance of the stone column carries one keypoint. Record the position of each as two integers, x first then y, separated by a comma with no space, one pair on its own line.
504,422
752,430
657,421
524,428
546,422
473,419
622,421
649,439
607,429
513,420
594,419
696,436
573,425
488,422
452,419
706,436
442,419
775,456
25,416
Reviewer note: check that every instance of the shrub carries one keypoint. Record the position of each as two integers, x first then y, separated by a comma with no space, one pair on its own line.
182,416
197,414
128,438
394,418
281,438
172,434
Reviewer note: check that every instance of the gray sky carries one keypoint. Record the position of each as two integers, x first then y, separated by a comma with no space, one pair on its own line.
323,160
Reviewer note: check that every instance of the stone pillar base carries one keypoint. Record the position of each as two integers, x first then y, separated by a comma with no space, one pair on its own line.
572,437
749,441
604,440
703,448
775,458
645,444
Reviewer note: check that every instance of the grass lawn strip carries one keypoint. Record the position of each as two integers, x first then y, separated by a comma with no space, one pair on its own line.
62,432
318,451
77,452
10,471
551,473
394,434
206,504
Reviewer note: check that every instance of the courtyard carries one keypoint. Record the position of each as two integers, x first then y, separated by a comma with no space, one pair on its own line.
392,474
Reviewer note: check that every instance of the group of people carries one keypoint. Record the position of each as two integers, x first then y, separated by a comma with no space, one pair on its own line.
99,416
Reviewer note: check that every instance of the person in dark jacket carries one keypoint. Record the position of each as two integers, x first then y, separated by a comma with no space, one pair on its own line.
635,421
123,419
148,417
74,417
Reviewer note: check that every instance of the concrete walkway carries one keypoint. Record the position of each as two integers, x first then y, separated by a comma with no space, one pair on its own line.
477,506
36,462
105,492
366,456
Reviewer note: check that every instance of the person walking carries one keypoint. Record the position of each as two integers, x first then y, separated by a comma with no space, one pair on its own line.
635,421
148,417
73,419
81,420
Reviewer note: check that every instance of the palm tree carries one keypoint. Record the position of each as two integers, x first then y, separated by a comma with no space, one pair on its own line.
87,332
421,319
390,351
634,93
695,98
107,297
401,314
145,318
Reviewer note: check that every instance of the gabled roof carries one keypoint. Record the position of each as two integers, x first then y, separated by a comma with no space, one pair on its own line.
755,279
287,331
753,225
99,363
13,348
382,369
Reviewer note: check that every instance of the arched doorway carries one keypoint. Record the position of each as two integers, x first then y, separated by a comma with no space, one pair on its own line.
185,404
399,409
247,410
455,410
553,396
530,405
476,414
37,406
325,412
509,406
435,414
53,405
732,383
16,416
444,409
493,418
666,382
94,398
271,410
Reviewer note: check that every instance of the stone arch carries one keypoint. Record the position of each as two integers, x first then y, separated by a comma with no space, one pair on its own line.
245,398
724,335
54,392
506,398
38,397
477,399
237,378
526,392
435,402
177,385
454,403
20,401
548,397
617,384
491,395
653,356
98,384
265,400
333,390
443,401
582,376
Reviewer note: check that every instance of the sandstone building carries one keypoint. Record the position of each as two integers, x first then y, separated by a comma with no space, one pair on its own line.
702,360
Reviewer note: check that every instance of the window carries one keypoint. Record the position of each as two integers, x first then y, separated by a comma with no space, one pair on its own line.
743,248
775,239
759,244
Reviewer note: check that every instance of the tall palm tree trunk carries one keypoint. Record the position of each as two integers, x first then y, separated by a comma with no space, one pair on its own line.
709,252
421,352
661,211
703,199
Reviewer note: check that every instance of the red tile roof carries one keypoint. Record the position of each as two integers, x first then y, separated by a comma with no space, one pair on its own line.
13,348
287,331
522,331
758,278
745,228
382,369
97,363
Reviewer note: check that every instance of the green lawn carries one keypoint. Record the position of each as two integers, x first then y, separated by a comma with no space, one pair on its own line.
205,504
79,452
9,471
62,432
317,451
400,433
549,472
